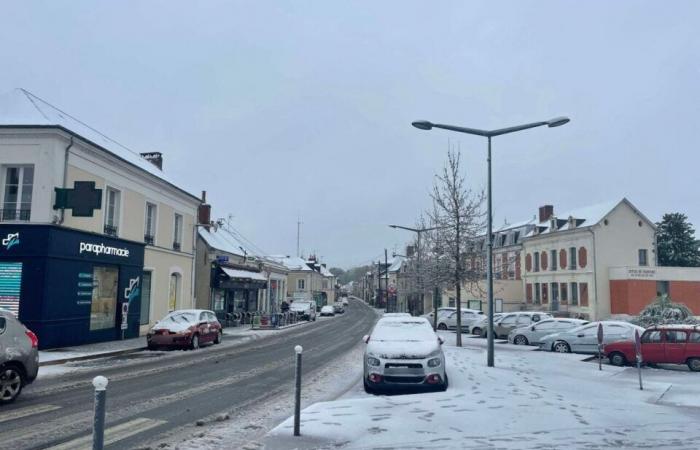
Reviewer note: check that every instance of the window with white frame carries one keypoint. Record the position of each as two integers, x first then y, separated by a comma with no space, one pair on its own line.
553,257
537,262
149,235
177,232
112,200
572,258
17,192
301,284
643,261
574,294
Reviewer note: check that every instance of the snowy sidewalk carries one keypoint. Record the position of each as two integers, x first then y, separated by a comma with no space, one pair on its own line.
531,399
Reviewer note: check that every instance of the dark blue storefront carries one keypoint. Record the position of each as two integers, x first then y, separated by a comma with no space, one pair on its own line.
70,287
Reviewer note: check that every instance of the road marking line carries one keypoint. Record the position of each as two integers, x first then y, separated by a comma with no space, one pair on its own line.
112,434
28,411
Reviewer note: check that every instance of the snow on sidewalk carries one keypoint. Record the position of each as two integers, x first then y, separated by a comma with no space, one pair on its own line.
531,399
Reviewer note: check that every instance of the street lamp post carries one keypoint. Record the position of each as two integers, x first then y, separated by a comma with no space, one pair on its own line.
425,125
419,232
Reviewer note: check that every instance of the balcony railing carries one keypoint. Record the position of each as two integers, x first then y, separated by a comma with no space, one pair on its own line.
111,230
149,239
176,246
7,215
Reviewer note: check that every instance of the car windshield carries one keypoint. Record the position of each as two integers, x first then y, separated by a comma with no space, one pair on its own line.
403,331
181,317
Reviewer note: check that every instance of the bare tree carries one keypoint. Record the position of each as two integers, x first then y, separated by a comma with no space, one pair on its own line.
458,212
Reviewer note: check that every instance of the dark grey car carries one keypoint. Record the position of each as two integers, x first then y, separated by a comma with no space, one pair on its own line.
19,357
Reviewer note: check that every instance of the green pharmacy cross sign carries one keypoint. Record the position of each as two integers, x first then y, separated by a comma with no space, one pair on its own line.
83,199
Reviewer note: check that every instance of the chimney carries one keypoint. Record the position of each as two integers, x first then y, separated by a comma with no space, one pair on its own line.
204,212
546,212
155,158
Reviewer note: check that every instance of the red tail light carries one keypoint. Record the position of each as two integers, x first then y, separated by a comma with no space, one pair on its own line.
32,338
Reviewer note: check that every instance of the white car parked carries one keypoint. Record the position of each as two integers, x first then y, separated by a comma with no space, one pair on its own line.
469,317
403,352
584,339
531,335
442,312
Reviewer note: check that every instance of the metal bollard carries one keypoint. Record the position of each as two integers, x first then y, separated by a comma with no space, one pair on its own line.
297,392
98,425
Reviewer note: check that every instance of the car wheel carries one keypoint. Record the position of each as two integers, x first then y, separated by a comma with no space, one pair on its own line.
442,326
477,330
217,340
617,359
561,347
194,345
152,346
11,382
520,340
694,364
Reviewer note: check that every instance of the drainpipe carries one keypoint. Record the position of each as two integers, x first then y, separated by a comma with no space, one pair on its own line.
595,276
193,292
65,176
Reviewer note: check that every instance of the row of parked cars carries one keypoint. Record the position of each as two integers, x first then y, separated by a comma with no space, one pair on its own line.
667,344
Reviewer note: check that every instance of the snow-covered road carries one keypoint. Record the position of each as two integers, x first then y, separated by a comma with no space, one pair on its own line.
531,399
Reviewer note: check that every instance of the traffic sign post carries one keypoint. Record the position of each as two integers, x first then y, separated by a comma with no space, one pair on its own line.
125,313
600,346
638,353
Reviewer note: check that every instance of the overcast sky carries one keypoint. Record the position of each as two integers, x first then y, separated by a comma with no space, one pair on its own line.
302,109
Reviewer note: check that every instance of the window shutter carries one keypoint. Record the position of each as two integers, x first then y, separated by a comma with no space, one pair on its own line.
528,263
584,293
528,292
582,257
517,266
543,260
562,258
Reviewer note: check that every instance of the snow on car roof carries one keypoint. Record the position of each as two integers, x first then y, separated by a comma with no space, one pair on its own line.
402,329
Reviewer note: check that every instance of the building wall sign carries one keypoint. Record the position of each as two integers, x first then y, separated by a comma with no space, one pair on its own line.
101,249
644,274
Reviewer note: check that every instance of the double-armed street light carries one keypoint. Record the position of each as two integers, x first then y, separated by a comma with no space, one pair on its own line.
425,125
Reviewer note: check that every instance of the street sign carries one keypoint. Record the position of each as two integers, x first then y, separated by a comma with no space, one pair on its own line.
221,259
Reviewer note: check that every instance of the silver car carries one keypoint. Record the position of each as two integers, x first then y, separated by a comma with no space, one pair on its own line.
482,323
19,357
531,335
584,339
511,321
403,352
469,317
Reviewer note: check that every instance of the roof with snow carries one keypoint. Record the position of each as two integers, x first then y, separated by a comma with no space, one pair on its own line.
220,239
21,108
291,262
396,263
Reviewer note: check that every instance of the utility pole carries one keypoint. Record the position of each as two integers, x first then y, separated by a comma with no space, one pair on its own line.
386,278
379,282
299,222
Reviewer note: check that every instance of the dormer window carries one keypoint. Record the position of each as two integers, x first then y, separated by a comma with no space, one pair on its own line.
553,224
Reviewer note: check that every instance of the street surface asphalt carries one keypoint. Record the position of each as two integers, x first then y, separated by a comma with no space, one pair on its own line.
154,393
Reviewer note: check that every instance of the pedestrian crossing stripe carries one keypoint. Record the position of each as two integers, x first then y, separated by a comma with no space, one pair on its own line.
112,434
28,411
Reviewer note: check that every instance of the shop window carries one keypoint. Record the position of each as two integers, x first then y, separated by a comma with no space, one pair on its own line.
17,195
10,286
111,225
219,300
104,298
145,317
177,232
174,291
149,235
643,257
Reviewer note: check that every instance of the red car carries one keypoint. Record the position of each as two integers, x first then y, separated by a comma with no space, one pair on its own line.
185,328
663,344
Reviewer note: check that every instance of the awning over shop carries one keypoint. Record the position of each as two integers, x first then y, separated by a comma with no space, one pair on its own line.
244,274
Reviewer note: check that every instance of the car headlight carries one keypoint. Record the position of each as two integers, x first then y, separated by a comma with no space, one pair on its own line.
373,361
435,362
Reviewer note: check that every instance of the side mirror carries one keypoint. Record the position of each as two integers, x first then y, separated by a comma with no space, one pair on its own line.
441,340
365,338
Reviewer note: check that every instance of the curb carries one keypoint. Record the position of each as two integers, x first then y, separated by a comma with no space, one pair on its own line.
91,356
